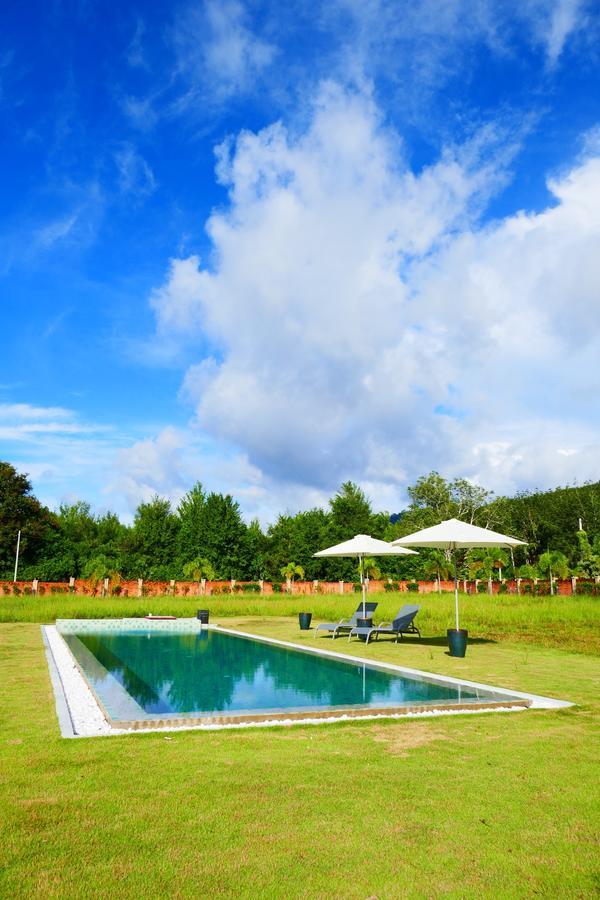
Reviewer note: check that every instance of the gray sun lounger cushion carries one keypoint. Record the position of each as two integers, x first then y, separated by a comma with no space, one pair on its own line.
345,625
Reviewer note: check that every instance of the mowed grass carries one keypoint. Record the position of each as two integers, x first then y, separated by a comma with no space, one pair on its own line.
572,623
463,806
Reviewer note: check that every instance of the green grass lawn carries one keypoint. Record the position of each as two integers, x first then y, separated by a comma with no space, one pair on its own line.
572,623
464,806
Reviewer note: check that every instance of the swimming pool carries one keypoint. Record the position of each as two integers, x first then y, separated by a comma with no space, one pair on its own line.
146,676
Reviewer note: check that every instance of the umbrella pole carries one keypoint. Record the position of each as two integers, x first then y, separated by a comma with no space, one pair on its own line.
456,588
362,584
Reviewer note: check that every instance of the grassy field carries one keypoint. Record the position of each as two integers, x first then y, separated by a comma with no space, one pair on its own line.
495,805
572,623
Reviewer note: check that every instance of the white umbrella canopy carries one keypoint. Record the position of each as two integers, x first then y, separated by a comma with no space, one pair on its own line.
362,545
456,535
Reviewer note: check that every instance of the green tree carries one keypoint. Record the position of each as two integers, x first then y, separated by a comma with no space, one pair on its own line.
371,568
291,571
438,564
554,564
482,562
199,568
20,510
225,542
150,546
588,559
351,513
192,523
434,499
298,537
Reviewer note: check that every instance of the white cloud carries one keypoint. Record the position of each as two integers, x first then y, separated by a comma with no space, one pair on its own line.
25,422
554,23
135,175
366,327
20,411
64,456
135,52
55,231
170,463
218,55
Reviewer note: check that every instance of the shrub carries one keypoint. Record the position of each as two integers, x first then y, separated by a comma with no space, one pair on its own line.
503,588
277,587
357,587
586,587
41,589
5,589
27,591
116,590
252,588
391,586
413,587
16,589
527,589
482,587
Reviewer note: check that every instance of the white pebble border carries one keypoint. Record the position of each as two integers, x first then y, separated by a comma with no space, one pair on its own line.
87,719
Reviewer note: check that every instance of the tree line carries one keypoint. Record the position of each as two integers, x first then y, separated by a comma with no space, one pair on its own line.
206,536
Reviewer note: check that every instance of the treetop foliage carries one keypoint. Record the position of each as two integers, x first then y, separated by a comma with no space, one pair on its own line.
206,537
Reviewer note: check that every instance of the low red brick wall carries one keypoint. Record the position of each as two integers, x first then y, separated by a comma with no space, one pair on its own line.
131,588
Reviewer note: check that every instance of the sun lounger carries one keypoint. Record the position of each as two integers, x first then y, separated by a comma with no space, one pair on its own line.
345,625
402,624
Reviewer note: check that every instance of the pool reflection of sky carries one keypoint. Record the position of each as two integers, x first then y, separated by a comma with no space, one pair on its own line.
207,673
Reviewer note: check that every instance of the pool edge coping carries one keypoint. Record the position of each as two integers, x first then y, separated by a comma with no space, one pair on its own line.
537,700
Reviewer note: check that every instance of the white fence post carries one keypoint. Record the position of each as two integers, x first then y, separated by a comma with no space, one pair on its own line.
315,586
172,586
140,587
341,587
261,585
71,583
34,586
574,584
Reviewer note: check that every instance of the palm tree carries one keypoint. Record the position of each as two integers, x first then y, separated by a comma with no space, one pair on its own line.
438,564
370,568
199,568
290,571
553,563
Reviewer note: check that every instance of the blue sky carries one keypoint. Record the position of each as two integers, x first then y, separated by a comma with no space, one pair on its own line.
272,247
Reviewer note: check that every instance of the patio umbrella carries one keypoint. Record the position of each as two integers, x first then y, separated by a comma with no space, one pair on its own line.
360,546
456,535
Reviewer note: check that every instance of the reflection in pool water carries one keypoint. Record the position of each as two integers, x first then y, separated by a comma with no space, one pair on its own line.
208,672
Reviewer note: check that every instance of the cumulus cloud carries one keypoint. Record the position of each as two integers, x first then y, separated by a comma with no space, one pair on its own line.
176,458
366,326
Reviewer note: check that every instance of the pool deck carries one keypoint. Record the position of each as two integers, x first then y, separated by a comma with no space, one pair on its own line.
80,713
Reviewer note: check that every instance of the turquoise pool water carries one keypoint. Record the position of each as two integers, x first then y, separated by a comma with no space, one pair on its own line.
145,674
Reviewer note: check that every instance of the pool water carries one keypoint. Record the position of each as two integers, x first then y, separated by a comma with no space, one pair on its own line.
149,674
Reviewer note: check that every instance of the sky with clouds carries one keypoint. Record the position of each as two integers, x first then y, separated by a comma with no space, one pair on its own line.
273,247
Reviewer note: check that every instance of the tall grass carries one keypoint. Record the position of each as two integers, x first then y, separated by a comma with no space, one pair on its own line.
571,622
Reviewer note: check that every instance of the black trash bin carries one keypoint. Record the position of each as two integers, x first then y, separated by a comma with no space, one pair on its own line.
457,641
304,619
202,616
